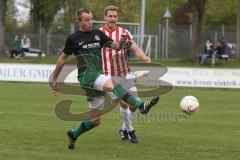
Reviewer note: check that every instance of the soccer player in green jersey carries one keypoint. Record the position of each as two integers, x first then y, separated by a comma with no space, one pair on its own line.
86,44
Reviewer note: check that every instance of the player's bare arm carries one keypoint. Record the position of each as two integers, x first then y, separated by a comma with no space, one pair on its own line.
139,52
61,61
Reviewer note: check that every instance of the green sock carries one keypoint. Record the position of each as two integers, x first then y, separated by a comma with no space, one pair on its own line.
85,126
123,94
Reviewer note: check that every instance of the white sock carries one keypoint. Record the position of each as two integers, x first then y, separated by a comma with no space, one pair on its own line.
125,114
133,114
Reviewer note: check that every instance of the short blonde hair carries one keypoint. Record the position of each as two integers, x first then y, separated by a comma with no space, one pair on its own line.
110,8
80,12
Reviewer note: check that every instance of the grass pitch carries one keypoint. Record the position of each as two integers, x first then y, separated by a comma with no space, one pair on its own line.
30,130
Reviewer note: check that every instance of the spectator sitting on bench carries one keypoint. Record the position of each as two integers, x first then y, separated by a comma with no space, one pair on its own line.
208,52
25,44
27,51
219,51
16,47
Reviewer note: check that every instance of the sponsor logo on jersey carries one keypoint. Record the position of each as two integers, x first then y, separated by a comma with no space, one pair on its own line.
97,37
92,45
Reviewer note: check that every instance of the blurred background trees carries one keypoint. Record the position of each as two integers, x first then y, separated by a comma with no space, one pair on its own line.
54,16
3,6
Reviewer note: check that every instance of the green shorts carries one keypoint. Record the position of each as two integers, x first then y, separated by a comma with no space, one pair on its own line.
86,80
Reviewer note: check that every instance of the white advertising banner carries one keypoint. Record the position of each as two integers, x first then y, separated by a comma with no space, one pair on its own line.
25,72
203,77
177,76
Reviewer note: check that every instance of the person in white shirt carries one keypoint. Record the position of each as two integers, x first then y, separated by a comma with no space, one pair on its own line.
25,44
208,52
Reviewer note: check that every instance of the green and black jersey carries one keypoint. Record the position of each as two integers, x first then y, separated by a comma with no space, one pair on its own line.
86,46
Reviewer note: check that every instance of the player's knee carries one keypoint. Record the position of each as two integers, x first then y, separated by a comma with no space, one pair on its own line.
132,109
109,85
123,104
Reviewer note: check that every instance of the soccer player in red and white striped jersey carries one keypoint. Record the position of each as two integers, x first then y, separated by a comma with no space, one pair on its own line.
114,62
115,65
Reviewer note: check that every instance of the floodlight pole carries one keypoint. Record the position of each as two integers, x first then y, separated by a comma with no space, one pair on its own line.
167,15
143,2
167,19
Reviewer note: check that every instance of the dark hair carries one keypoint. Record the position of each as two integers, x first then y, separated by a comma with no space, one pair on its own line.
80,12
110,8
209,40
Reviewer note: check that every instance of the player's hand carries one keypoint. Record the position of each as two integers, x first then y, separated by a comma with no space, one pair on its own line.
121,43
147,59
123,37
54,87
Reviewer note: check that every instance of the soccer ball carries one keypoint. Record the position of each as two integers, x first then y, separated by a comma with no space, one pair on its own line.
189,104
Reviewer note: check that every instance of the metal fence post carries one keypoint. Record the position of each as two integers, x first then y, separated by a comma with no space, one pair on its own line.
223,30
156,47
163,43
159,39
190,32
40,36
215,37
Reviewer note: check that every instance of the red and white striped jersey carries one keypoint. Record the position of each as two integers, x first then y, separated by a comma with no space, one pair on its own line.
114,62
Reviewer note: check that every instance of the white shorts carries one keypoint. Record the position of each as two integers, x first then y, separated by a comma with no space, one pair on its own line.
100,81
127,84
98,102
